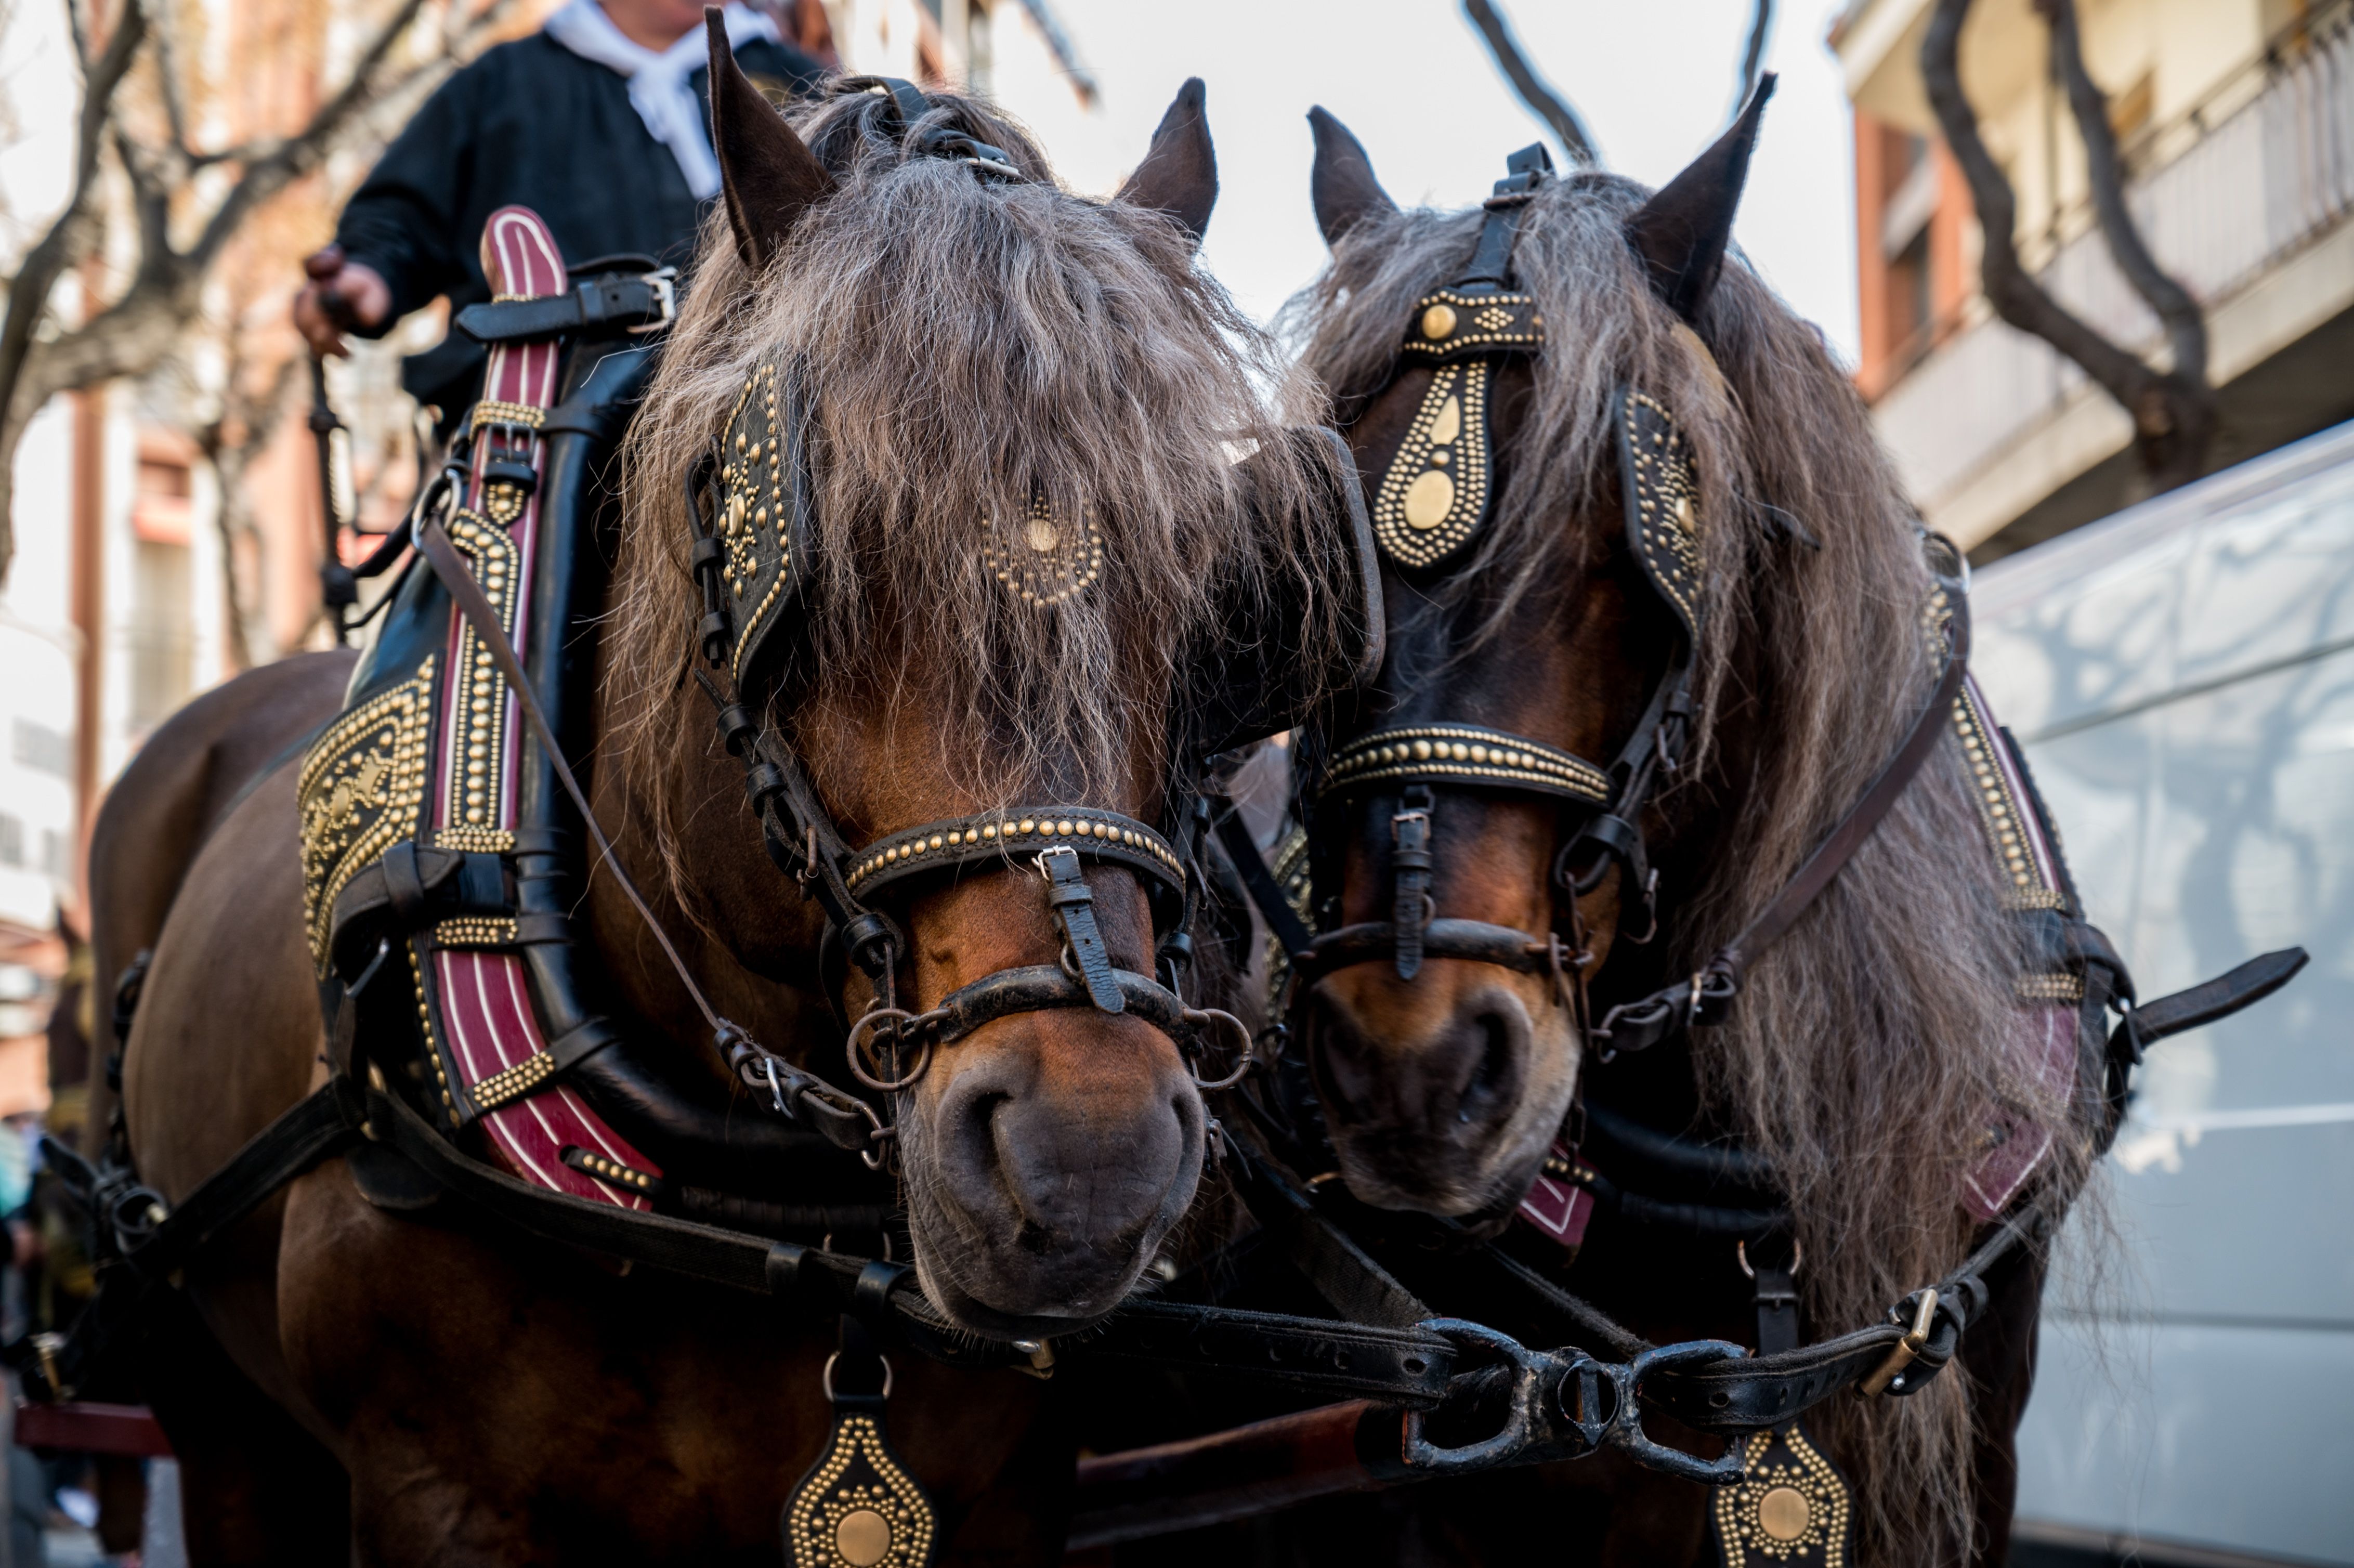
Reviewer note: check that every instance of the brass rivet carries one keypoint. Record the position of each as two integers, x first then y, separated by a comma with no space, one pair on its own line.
1447,427
1430,499
1783,1513
862,1538
1437,322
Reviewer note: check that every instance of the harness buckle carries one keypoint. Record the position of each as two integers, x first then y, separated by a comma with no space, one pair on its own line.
663,285
1902,1352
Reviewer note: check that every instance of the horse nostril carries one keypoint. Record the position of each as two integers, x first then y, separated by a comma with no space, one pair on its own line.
1493,1075
973,1137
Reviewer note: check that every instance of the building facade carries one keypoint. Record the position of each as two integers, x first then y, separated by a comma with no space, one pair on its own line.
2236,122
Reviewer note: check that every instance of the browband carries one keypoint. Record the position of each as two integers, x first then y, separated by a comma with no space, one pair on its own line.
1463,754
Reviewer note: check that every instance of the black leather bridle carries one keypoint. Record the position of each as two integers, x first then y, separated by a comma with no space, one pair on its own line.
1602,806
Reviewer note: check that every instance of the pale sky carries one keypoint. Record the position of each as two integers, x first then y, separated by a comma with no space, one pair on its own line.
1653,81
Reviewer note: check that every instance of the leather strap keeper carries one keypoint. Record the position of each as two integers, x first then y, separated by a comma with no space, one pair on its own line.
613,305
411,888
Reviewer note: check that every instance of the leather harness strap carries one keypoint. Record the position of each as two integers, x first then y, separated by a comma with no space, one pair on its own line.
606,305
1705,996
1397,1364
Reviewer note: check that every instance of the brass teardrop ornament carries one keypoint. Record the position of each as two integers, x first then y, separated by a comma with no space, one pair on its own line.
1429,500
1791,1511
1434,496
859,1507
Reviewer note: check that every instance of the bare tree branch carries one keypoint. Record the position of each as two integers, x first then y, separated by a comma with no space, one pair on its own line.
2173,413
2185,323
229,442
134,332
168,79
1753,56
1542,99
273,170
56,250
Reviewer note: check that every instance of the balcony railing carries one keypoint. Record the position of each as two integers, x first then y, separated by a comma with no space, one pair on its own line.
2250,190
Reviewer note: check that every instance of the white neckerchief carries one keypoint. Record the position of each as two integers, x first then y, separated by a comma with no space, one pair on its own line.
659,87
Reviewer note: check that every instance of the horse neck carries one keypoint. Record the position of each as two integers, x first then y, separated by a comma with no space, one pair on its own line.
683,836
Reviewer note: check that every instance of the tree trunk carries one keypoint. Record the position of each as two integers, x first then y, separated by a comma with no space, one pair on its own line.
2173,411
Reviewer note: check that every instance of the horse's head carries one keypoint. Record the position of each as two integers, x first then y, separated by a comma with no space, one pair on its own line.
1679,589
968,446
1506,377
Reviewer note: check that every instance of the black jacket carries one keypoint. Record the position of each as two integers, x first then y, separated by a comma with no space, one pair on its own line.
534,124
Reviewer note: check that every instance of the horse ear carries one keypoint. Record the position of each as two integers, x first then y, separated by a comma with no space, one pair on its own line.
1342,184
1180,173
1682,232
768,175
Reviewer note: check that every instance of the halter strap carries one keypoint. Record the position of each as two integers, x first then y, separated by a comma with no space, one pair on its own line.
909,104
1492,259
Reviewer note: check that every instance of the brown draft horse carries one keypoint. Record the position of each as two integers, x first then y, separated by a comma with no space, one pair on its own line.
1862,1060
343,1383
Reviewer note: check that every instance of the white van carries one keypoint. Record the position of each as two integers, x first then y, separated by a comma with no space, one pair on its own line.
2181,676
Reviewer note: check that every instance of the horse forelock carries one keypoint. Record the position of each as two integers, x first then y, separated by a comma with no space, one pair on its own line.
969,346
1870,1047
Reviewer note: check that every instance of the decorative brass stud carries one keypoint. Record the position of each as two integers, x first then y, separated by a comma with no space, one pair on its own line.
1783,1513
1429,500
1438,321
1446,430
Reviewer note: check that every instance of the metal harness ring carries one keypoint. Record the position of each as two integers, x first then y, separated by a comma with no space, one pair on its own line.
1200,1017
873,1018
826,1378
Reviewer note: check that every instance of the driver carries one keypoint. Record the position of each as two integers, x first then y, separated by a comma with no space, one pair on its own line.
596,122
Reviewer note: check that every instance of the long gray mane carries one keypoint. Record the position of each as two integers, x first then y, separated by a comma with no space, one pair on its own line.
1871,1049
972,346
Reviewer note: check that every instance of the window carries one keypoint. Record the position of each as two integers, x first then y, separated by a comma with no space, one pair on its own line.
163,638
979,50
1908,298
42,749
12,841
1901,153
161,507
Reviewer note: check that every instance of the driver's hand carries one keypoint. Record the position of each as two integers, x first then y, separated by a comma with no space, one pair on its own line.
342,295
